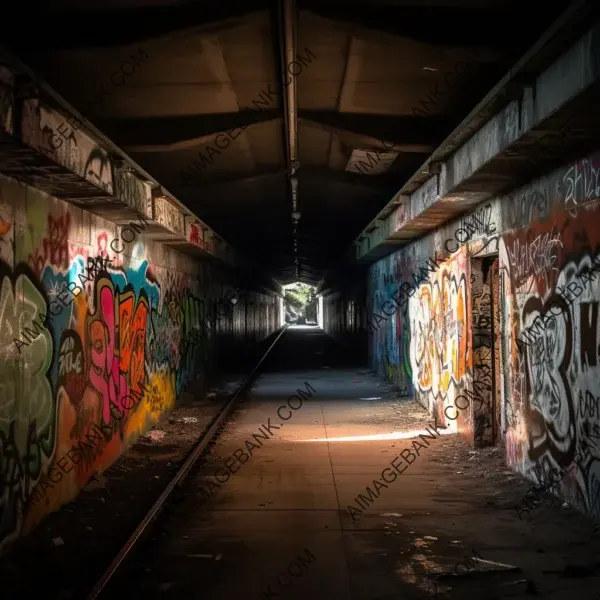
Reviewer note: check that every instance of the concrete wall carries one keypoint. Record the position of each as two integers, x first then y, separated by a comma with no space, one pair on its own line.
344,318
85,373
504,301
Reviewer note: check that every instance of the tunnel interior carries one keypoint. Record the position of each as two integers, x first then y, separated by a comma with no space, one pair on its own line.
301,291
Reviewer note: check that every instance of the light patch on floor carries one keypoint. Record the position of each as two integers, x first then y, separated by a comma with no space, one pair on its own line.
395,435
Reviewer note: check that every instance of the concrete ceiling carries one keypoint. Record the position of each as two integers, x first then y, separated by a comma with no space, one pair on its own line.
376,75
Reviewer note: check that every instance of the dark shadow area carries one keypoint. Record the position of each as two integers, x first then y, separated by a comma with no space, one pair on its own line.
309,347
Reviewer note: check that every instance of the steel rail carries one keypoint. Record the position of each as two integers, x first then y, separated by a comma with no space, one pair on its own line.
204,441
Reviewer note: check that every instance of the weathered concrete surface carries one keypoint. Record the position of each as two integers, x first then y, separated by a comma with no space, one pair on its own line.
89,319
52,151
554,114
465,309
292,495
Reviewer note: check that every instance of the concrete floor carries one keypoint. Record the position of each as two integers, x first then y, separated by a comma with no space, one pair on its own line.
291,496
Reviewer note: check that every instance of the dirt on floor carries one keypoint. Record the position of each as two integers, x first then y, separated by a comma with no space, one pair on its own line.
71,548
555,556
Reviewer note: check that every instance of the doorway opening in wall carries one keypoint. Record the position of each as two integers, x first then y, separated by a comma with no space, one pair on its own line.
301,305
486,344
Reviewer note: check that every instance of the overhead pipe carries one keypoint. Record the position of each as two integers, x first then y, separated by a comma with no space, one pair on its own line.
288,43
287,40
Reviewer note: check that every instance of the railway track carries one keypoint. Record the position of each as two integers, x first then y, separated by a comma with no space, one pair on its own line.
209,436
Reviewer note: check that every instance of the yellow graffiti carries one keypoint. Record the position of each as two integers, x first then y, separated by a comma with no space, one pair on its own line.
160,396
439,326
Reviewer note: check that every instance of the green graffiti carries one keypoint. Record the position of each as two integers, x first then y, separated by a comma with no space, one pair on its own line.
26,403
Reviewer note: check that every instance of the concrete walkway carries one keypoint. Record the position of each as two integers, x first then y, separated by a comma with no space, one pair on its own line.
278,524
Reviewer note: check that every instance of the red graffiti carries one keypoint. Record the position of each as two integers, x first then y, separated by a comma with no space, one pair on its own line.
132,338
102,245
194,234
117,337
197,238
54,247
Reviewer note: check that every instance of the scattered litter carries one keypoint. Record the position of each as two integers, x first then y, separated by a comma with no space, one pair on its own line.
374,398
156,436
188,420
211,395
564,505
429,537
500,566
391,515
483,568
156,477
58,541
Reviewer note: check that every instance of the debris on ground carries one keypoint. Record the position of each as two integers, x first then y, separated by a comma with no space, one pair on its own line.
156,435
481,567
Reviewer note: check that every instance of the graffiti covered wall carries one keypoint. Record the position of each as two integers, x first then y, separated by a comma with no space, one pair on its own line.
95,345
540,247
552,293
438,316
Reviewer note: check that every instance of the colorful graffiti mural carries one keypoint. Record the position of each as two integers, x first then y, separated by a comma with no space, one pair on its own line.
438,316
80,384
512,318
389,344
555,372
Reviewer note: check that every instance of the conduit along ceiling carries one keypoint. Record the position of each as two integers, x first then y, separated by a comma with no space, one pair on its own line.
258,116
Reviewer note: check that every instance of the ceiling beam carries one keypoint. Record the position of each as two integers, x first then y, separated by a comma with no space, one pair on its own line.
77,28
221,185
166,134
387,133
384,184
